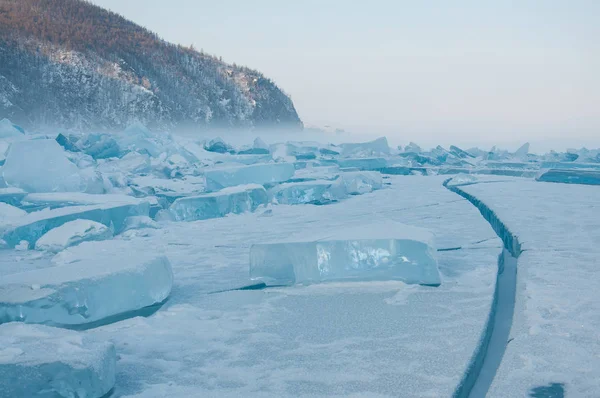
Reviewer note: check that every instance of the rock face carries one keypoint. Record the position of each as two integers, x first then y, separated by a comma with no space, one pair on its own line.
70,64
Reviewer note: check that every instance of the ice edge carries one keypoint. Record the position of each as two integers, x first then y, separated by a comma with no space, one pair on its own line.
487,357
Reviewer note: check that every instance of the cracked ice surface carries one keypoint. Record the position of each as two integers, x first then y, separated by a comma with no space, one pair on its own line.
361,338
87,283
554,337
42,361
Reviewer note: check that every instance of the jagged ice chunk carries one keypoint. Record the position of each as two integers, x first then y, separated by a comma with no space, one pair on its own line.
91,282
311,192
234,200
41,166
42,361
264,173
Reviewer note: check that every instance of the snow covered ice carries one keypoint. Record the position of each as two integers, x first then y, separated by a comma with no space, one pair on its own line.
234,200
72,233
265,290
379,251
89,282
42,361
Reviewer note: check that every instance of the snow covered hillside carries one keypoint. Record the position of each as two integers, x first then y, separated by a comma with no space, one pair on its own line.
71,64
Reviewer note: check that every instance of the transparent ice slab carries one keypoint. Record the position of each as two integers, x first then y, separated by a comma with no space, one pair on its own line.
379,251
236,200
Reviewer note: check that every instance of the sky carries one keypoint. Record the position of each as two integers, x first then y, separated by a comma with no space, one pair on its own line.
428,71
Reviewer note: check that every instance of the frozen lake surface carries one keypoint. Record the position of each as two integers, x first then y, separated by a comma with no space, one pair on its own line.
296,269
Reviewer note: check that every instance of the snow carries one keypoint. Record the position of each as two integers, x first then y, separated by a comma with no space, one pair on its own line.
378,251
224,177
8,213
72,233
41,166
238,199
138,222
42,361
329,339
89,282
554,336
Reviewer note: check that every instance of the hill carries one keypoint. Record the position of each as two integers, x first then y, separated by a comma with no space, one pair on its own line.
71,64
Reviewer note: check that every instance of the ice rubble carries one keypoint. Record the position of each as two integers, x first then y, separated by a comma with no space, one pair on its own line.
72,233
218,178
238,199
33,225
380,251
42,361
90,282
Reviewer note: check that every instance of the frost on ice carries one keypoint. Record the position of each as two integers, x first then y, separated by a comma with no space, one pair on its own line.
43,361
236,200
88,283
72,233
382,251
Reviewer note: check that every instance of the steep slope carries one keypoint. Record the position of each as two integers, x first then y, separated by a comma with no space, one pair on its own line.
71,64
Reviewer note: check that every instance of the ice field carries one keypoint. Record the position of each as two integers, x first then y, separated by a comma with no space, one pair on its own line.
144,264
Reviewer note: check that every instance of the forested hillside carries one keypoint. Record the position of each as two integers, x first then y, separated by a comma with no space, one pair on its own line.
71,64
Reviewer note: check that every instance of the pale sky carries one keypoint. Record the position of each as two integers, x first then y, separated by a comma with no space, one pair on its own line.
462,71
